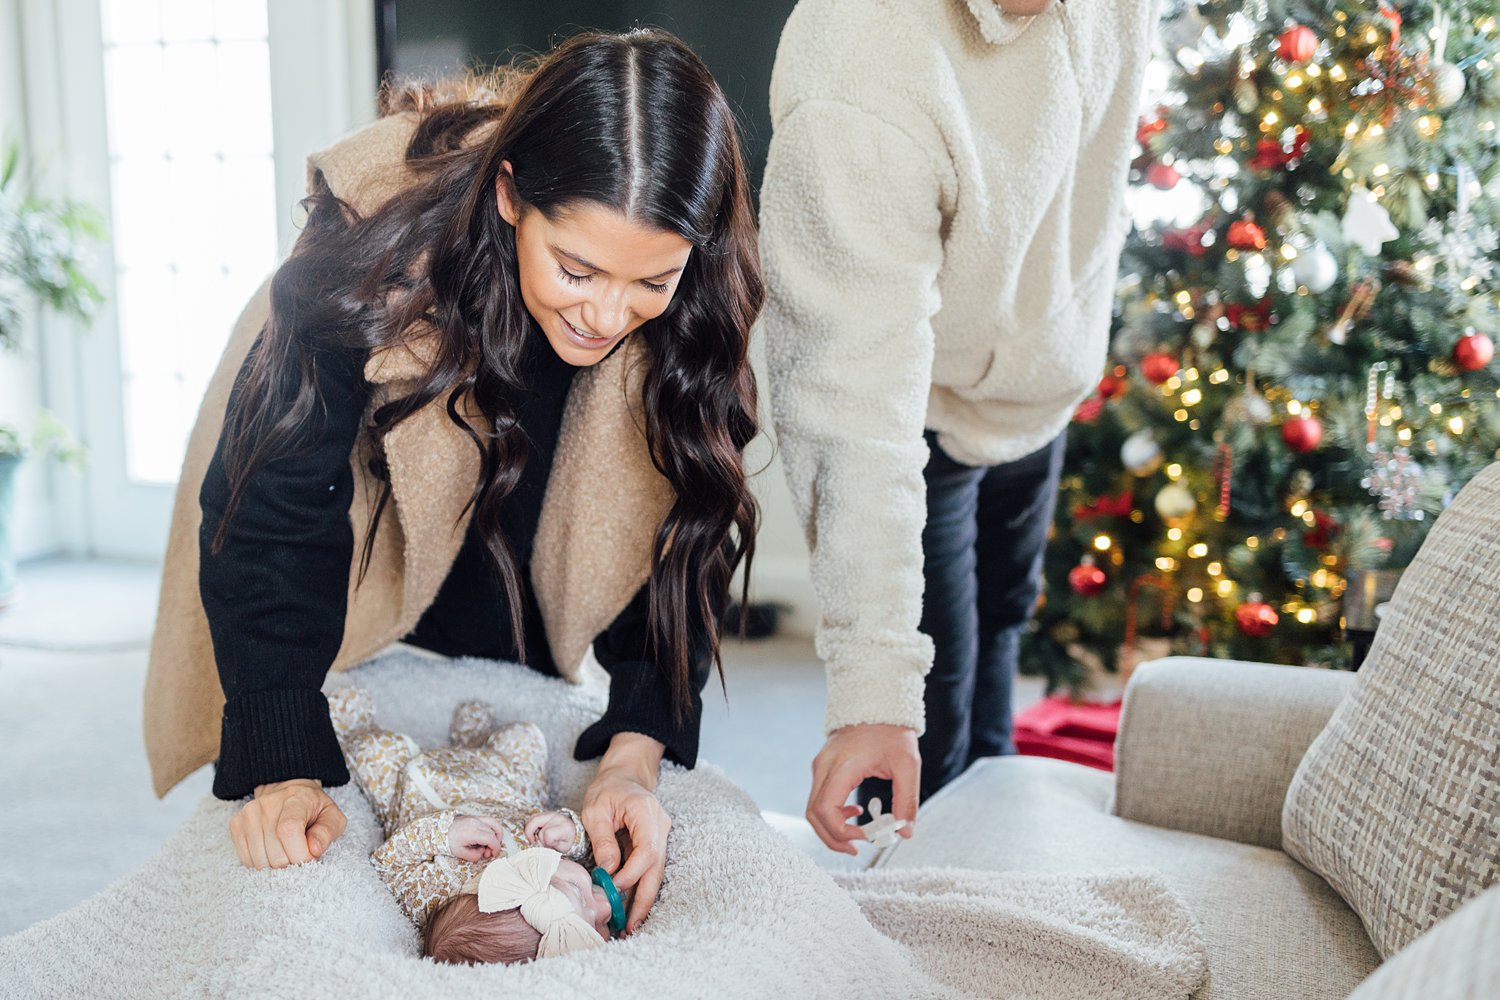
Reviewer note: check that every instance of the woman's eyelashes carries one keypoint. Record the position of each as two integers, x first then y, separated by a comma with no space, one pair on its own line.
584,279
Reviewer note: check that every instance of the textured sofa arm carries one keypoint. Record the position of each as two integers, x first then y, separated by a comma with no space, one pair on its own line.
1210,746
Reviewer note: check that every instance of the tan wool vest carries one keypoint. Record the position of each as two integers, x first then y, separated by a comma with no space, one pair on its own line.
604,503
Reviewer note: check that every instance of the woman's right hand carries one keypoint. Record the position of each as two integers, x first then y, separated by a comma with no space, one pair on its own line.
287,823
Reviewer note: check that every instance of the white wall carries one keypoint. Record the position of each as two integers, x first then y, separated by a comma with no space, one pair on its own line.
21,375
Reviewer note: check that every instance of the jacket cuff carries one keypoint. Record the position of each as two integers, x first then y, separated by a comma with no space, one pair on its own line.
275,736
639,703
894,696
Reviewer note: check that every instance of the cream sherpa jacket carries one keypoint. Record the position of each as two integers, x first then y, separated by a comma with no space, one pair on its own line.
942,218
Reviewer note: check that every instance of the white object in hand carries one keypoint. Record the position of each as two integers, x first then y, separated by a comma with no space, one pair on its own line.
882,828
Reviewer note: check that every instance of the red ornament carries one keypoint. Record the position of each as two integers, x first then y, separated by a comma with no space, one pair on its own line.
1255,617
1088,411
1146,129
1159,366
1297,44
1086,579
1302,433
1162,176
1251,319
1323,531
1272,154
1105,506
1188,240
1111,385
1246,235
1473,351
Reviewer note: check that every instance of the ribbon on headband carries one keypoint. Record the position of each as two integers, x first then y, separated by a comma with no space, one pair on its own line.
524,880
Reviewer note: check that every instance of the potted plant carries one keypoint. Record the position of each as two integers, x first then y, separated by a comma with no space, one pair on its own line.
43,256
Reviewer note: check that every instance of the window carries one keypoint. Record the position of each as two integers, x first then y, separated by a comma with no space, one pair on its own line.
193,202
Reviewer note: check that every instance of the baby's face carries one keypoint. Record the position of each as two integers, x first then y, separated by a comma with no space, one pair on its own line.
587,898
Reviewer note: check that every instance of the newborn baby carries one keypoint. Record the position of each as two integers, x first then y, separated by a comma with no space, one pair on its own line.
472,853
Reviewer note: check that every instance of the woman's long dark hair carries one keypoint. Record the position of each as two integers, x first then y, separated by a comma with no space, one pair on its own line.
634,122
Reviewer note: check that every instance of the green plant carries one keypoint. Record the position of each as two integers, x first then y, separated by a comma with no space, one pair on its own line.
44,252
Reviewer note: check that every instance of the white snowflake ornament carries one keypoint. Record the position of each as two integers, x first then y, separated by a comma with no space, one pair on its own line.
882,828
1366,222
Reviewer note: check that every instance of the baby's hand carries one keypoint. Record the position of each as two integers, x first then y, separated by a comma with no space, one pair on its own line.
475,838
551,829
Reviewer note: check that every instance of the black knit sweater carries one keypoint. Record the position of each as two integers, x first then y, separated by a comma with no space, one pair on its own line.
276,593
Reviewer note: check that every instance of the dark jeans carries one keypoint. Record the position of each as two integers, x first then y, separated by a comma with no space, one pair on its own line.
982,553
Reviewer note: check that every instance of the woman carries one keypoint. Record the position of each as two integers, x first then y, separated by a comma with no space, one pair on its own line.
516,324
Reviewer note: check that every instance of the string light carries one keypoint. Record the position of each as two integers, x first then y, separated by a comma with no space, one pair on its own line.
1299,508
1315,106
1195,595
1191,374
1103,542
1436,409
1220,376
1166,564
1192,397
1456,425
1225,587
1306,616
1174,470
1293,407
1181,415
1198,551
1174,534
1215,568
1252,543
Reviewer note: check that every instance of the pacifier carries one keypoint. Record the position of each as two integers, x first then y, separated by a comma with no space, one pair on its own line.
601,878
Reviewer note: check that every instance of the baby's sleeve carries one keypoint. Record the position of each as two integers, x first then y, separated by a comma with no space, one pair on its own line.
415,865
581,845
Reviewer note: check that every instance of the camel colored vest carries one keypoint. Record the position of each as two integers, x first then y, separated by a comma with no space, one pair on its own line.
605,501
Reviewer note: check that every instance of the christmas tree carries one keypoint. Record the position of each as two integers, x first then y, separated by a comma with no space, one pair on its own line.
1300,376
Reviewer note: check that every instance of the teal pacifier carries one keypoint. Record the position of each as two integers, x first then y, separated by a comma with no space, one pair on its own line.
616,904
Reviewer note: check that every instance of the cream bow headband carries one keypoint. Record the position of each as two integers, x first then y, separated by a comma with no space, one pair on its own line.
525,880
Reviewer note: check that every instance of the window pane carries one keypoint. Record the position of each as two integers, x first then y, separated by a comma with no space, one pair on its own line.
193,202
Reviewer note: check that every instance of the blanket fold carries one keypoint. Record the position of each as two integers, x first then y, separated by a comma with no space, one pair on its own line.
742,913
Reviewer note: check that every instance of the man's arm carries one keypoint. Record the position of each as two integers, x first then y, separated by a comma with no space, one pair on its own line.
851,236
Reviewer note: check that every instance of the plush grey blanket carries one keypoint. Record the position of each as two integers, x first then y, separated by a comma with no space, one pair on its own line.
742,913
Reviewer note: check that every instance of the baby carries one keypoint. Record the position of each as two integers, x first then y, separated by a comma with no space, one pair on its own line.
472,853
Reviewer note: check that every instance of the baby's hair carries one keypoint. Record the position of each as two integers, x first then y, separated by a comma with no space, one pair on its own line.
459,934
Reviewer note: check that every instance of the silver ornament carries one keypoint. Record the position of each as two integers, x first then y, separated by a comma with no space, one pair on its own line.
1448,84
1316,268
1140,454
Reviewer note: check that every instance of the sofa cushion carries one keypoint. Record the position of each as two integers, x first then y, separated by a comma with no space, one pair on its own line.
1397,802
1455,960
1273,929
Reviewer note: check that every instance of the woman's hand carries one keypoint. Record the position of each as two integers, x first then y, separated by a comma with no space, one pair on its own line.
287,823
475,838
623,796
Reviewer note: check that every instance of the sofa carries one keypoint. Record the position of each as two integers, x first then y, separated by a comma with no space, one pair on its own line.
1335,834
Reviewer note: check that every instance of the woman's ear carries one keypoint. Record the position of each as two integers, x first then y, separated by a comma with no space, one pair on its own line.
505,193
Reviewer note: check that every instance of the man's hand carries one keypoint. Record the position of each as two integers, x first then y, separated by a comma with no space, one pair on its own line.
851,755
287,823
475,838
623,796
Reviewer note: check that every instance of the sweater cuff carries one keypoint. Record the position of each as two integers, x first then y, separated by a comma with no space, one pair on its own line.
275,736
894,696
638,704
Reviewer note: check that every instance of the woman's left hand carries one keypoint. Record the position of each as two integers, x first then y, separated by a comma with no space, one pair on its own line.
622,796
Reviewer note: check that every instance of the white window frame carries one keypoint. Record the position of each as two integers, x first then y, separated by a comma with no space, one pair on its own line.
323,73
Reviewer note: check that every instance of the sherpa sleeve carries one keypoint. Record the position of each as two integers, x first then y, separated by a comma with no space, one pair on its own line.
414,862
851,223
275,594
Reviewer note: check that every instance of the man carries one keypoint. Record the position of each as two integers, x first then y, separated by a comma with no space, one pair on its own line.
942,217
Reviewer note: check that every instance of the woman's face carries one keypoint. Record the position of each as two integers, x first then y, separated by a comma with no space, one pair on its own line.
590,276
